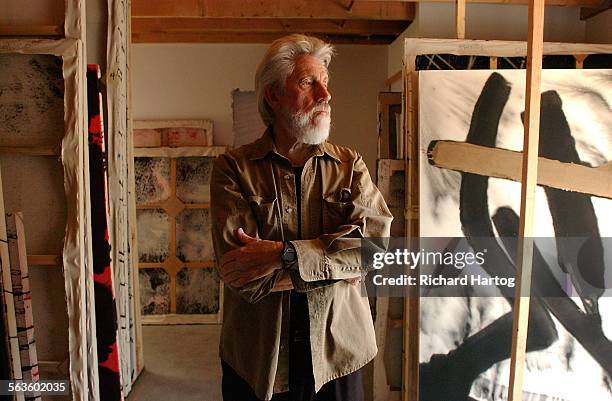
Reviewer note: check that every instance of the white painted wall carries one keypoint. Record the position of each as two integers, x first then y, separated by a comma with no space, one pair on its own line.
497,22
175,81
598,28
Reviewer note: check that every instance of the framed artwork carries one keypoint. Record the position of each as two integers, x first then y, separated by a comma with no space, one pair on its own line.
178,282
172,133
468,338
391,182
54,70
460,55
247,125
390,129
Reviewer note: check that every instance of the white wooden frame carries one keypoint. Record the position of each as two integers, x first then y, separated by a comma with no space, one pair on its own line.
78,266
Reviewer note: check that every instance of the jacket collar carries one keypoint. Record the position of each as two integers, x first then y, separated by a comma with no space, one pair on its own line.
265,144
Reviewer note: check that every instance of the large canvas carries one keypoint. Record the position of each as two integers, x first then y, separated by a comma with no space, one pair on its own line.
109,374
465,341
177,282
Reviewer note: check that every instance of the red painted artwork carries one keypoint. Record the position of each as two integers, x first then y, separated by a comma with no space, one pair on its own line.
106,311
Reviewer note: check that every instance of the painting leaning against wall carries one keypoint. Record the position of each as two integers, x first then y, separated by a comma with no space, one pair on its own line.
177,281
465,341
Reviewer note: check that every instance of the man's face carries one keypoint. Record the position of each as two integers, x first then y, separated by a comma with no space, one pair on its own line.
305,109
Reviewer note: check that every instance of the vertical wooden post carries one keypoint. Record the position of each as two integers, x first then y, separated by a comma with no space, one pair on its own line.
580,60
493,63
133,240
460,18
410,346
529,180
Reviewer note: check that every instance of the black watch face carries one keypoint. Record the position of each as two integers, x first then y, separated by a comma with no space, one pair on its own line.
288,255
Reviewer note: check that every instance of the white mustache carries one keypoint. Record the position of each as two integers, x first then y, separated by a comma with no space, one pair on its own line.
323,107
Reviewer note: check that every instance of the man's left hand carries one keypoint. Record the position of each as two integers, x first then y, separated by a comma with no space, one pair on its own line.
255,259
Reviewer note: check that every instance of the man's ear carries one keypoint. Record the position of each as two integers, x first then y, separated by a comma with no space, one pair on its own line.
271,96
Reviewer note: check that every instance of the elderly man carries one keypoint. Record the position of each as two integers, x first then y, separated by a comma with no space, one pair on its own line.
288,214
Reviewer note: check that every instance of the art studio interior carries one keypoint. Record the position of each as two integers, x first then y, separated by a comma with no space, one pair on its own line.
485,122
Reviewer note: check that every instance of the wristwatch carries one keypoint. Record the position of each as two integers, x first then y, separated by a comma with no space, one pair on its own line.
288,255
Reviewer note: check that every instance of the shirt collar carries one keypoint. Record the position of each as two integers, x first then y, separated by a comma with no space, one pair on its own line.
265,144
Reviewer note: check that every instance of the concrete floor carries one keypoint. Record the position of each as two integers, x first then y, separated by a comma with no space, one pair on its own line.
181,363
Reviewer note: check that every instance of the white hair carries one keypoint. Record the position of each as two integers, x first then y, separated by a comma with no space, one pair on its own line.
278,63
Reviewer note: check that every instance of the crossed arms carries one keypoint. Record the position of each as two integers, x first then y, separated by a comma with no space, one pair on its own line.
253,267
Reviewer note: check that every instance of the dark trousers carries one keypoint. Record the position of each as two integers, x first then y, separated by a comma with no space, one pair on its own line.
301,381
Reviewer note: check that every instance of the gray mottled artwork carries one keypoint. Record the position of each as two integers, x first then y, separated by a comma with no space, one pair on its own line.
152,178
197,291
193,240
193,179
32,114
154,291
31,100
153,242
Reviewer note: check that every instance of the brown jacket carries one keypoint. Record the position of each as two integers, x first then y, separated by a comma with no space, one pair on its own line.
253,187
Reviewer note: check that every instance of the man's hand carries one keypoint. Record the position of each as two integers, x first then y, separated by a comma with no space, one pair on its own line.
255,259
283,284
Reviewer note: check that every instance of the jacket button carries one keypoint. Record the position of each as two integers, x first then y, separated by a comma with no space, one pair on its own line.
287,176
288,209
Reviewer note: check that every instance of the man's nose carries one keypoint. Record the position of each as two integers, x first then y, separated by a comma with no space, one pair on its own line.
322,94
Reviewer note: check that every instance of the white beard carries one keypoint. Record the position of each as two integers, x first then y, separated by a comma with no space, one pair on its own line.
308,128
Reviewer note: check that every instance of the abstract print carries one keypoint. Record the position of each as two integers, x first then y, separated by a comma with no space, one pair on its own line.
106,310
465,342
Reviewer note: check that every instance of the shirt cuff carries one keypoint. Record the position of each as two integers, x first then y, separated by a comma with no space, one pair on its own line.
315,265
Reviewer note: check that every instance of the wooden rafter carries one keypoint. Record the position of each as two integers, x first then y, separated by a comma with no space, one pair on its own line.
321,9
267,25
238,21
31,30
569,3
245,37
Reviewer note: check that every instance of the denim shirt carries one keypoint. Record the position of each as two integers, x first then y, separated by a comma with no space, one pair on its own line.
253,187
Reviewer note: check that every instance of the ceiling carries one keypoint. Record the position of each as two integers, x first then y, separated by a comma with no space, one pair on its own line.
261,21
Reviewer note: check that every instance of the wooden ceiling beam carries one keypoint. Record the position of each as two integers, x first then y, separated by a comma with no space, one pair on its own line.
569,3
31,30
316,9
244,37
257,25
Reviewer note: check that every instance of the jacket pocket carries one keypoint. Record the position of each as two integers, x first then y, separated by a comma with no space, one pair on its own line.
335,213
265,212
